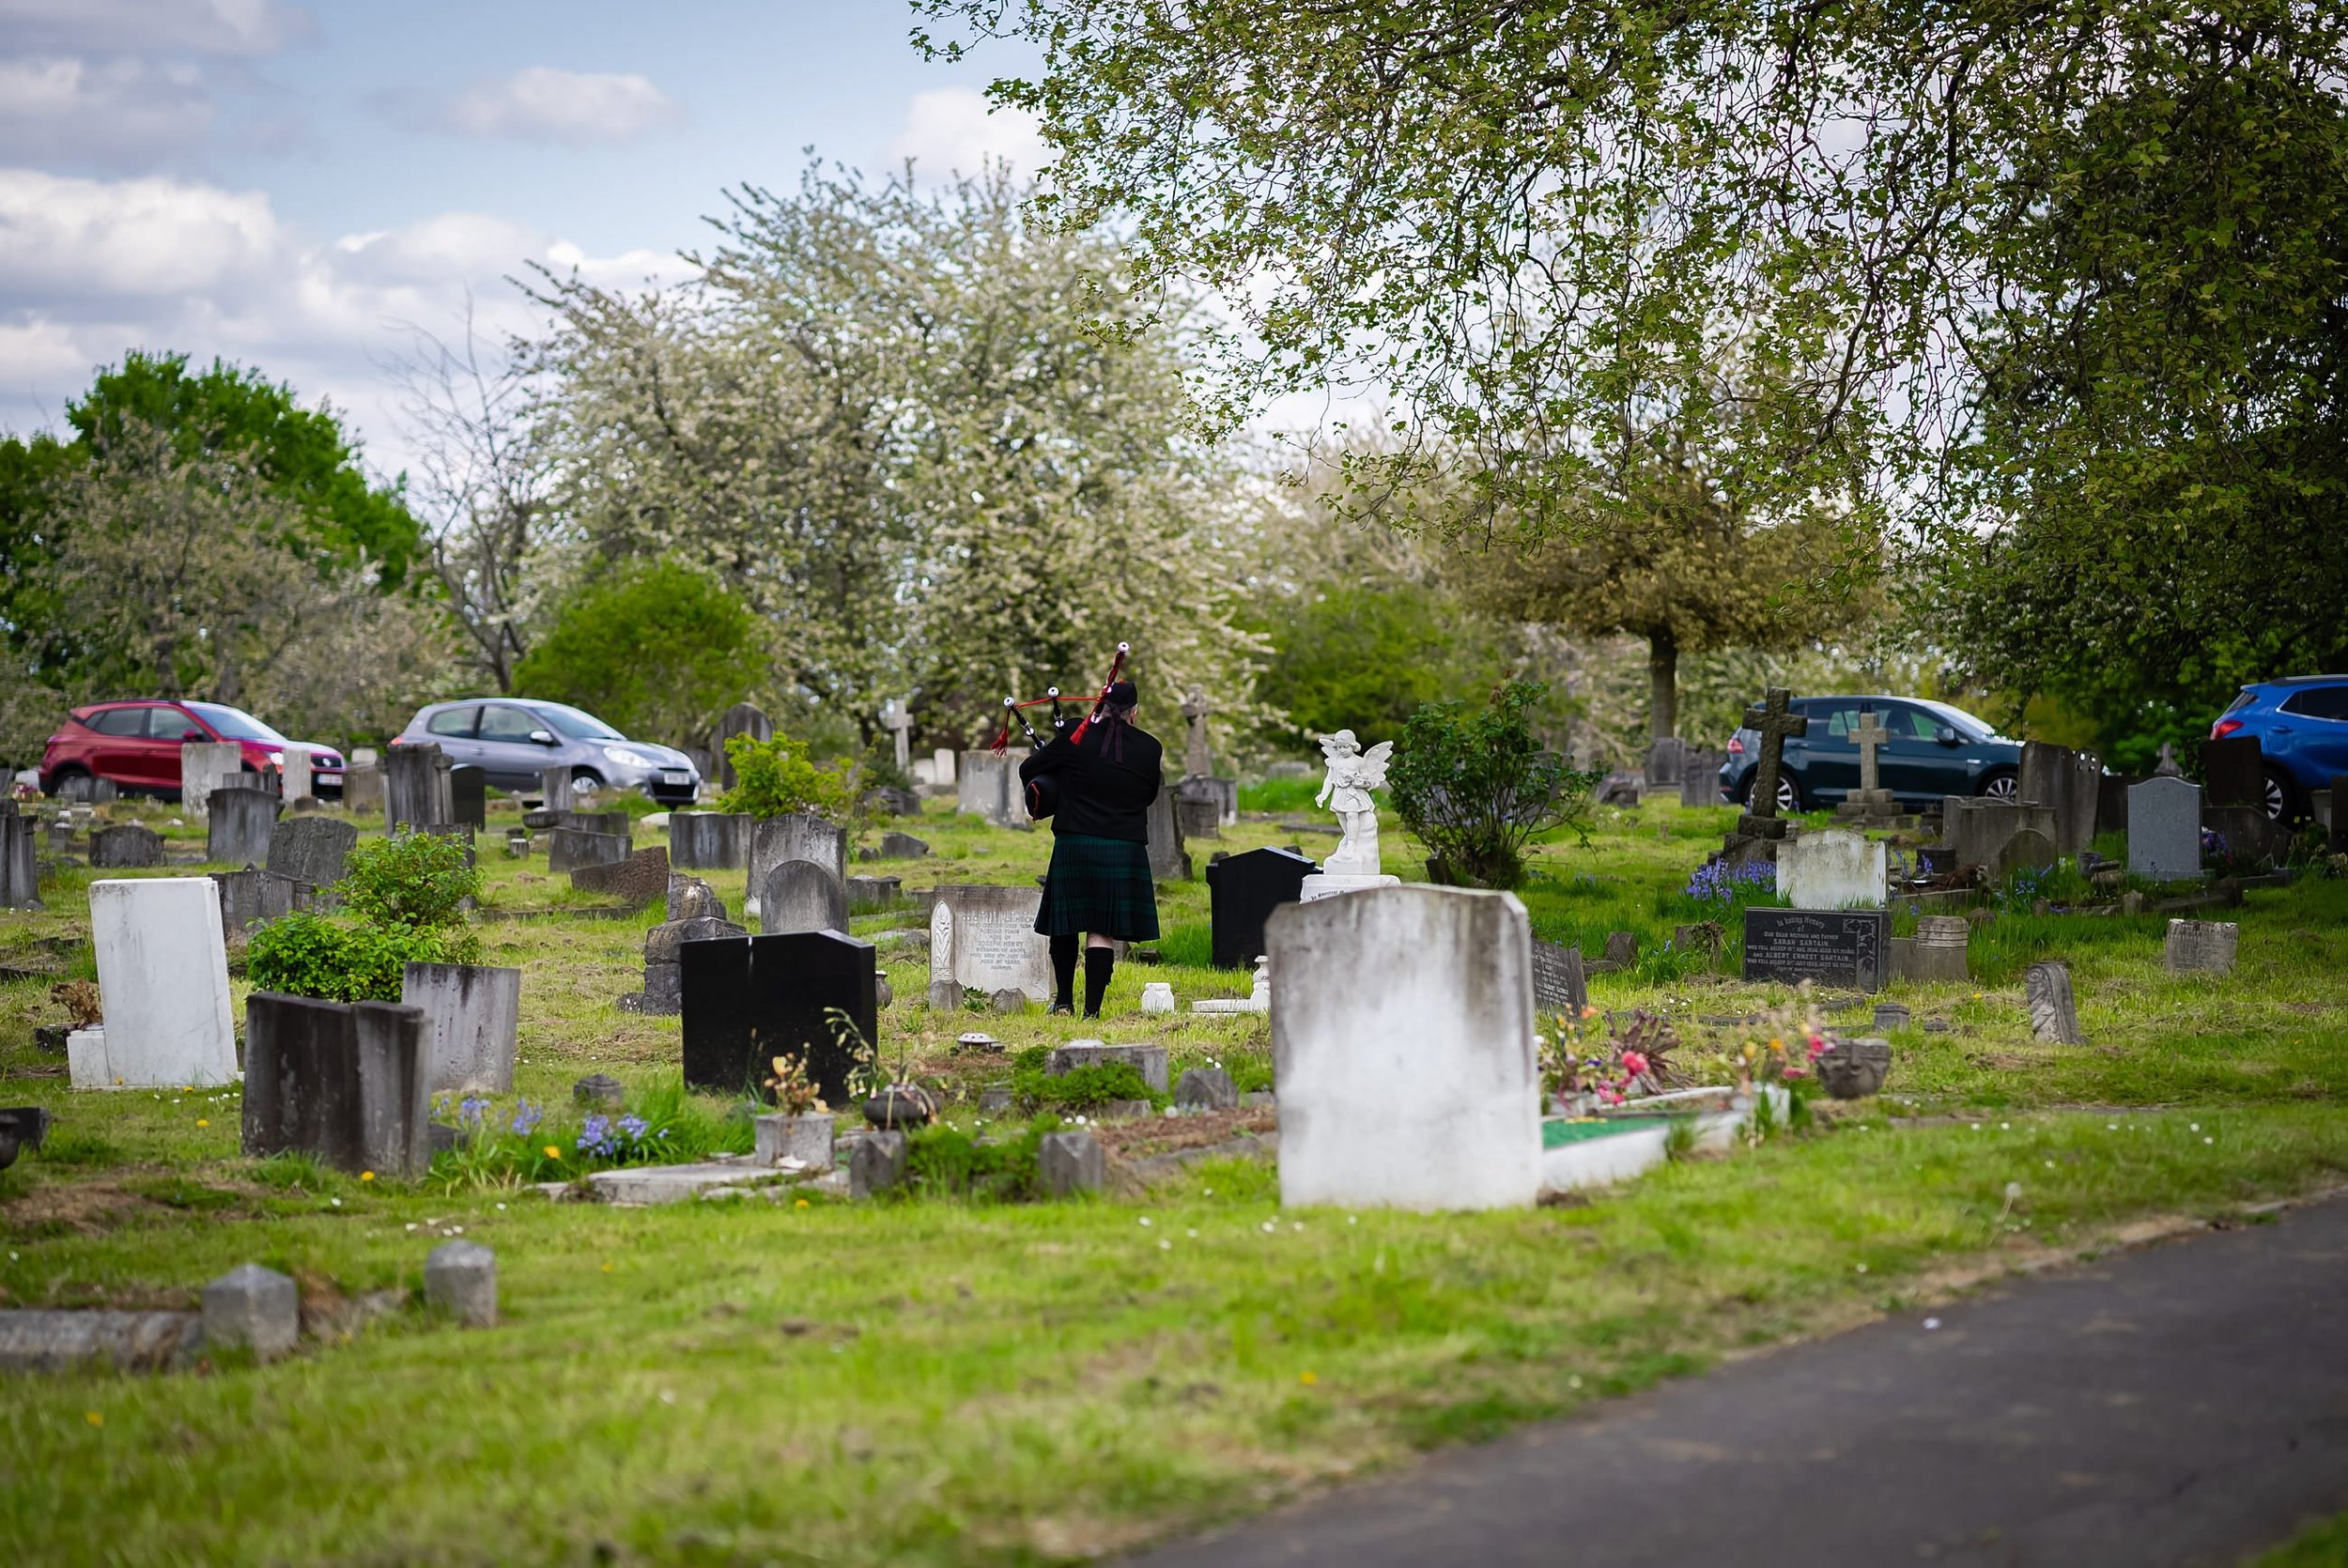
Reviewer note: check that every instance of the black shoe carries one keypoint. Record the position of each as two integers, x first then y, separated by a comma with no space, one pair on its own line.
1060,1008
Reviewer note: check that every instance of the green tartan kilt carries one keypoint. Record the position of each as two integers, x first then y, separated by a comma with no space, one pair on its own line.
1101,887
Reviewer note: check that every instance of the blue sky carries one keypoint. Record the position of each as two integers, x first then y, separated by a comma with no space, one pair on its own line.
286,185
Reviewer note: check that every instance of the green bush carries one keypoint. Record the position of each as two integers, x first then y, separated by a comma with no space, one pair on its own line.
408,879
1079,1090
336,960
773,778
656,649
944,1161
1476,785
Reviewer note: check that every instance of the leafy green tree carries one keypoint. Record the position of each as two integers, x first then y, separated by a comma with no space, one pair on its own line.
658,650
1365,656
1476,785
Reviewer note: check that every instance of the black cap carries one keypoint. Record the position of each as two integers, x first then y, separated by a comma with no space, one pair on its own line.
1123,694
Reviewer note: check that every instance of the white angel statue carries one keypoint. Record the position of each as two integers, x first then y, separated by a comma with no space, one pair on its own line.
1353,774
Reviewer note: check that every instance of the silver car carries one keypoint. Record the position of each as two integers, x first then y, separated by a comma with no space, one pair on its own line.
515,739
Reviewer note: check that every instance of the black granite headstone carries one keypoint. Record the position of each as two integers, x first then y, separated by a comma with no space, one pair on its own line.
2231,774
1560,985
1243,890
1837,948
468,795
750,999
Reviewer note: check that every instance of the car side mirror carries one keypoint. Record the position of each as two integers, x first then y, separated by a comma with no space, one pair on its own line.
542,737
1946,734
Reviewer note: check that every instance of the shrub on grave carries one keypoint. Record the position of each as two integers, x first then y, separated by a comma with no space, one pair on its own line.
408,879
1476,785
341,960
944,1161
776,777
1083,1088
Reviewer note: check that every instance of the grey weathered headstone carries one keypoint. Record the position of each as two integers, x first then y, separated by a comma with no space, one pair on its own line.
987,785
473,1013
124,846
1560,981
238,823
1198,814
709,841
1666,762
600,1091
2232,772
901,846
20,872
1942,948
2165,830
1168,860
554,789
2058,776
2054,1014
35,1340
363,790
2201,946
807,1138
662,993
636,881
1700,778
1979,829
876,1164
416,788
1010,999
801,836
252,1308
460,1278
1147,1060
569,848
801,896
946,995
743,718
872,895
691,899
1622,949
1206,1089
1072,1163
314,850
1890,1016
983,939
206,766
2028,848
1834,869
251,895
345,1082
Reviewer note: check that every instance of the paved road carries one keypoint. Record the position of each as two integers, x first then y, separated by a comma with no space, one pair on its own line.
2183,1405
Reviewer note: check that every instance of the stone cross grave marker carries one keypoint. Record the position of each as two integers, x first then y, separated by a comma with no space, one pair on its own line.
1870,734
162,969
1402,1049
1776,722
898,720
1197,759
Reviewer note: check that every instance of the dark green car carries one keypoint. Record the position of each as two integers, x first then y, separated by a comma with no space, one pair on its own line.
1934,751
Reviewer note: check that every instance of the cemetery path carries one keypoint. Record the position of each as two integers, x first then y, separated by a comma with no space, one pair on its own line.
2186,1403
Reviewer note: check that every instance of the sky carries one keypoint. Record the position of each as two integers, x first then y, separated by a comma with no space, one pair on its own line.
295,188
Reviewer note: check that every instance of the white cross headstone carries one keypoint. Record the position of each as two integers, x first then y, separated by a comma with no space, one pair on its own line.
897,721
1869,734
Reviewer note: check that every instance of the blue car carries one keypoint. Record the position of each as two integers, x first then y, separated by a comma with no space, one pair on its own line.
2301,725
1934,751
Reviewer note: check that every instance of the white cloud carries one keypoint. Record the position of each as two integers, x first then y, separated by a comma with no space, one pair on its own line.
90,269
118,113
152,27
541,104
955,131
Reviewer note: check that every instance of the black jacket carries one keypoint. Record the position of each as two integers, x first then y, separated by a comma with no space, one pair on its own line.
1100,796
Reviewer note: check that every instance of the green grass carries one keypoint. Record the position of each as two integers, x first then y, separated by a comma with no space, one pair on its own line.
952,1381
2323,1545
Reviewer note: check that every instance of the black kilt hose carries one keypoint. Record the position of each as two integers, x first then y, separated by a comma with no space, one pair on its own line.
1099,882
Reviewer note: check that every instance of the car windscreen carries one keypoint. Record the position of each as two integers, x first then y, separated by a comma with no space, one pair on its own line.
1962,722
231,723
574,725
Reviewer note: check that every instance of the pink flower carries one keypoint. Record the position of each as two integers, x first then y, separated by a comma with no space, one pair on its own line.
1634,1063
1797,1072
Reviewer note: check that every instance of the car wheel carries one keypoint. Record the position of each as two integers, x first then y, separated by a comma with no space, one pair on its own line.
56,784
2281,799
1788,795
2001,785
586,782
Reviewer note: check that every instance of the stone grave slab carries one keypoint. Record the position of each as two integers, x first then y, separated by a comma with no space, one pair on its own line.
2201,946
1666,762
872,895
568,849
709,841
468,795
1243,890
2058,776
1402,1049
901,846
983,939
1940,949
801,896
613,822
2028,848
125,847
554,789
1168,860
311,848
343,1083
162,973
2232,772
636,881
2165,830
206,766
1836,947
1833,870
251,895
472,1014
1560,982
51,1341
416,787
239,821
750,999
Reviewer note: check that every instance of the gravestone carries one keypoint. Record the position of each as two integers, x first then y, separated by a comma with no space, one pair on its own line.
2165,830
1197,810
1941,948
636,881
20,876
1206,1089
2246,833
2026,849
363,790
249,896
1198,757
314,850
747,1000
662,991
125,847
2231,772
983,939
2337,840
343,1083
294,774
901,846
801,836
206,766
897,718
801,896
2054,1014
2201,946
1777,724
872,895
709,841
1243,890
1168,860
1402,1049
1622,950
460,1279
691,899
1979,829
1666,762
743,718
570,847
555,791
416,787
163,975
1700,778
988,785
237,821
471,1013
1833,870
468,796
1560,983
2058,776
1846,947
1070,1163
2165,766
1871,801
615,823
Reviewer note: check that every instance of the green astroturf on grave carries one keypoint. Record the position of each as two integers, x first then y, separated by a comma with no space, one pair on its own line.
1557,1131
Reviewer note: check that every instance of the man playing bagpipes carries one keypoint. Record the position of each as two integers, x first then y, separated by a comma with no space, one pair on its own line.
1095,782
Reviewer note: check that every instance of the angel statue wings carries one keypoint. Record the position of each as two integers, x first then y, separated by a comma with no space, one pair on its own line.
1353,774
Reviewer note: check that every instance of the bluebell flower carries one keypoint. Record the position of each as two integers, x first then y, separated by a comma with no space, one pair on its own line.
595,1138
526,1118
469,1111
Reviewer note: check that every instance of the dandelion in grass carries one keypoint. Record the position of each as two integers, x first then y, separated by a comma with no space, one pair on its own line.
553,1153
366,1176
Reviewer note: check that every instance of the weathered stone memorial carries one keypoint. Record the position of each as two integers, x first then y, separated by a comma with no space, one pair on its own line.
983,939
988,785
312,850
569,849
2054,1014
1560,980
747,1000
344,1083
1170,859
801,896
709,841
1940,949
801,836
125,847
636,881
1243,890
901,846
363,790
1833,870
2165,830
2058,776
20,874
252,896
1871,801
1978,829
162,973
1840,947
239,822
206,766
1402,1049
468,795
554,789
471,1013
874,895
294,775
2201,946
1700,778
416,788
663,991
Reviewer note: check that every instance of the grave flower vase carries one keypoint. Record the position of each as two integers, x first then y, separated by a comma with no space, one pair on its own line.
807,1139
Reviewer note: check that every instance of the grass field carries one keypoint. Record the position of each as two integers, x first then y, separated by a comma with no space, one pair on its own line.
941,1381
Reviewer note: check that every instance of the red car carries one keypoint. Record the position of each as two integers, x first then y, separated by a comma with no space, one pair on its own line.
137,744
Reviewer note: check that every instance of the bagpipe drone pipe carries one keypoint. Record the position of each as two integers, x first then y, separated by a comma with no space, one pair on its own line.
1042,795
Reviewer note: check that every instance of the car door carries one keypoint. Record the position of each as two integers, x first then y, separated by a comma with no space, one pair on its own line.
1829,768
1916,766
2315,721
168,728
114,751
507,755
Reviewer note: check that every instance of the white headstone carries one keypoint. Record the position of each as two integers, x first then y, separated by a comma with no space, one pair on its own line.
1402,1049
988,785
163,977
984,939
2164,830
204,766
295,774
1833,870
943,760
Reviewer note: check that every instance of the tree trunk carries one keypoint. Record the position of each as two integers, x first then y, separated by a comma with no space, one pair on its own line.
1663,683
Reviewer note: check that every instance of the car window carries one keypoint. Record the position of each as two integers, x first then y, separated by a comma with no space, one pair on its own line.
119,721
453,722
578,726
170,724
2319,702
1911,724
1833,722
234,724
502,723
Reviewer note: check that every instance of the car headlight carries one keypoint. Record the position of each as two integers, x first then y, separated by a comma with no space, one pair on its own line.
627,758
278,758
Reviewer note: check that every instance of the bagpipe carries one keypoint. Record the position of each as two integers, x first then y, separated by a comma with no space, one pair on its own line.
1042,795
